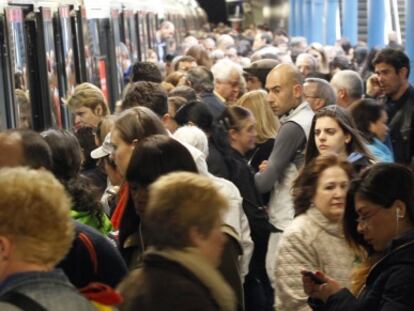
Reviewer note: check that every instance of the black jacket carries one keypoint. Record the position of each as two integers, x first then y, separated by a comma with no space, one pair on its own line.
401,124
214,104
389,285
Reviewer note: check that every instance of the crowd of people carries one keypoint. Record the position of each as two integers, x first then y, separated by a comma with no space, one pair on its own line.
252,171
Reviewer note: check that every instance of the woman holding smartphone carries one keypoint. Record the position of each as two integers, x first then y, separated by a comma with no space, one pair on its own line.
379,223
314,239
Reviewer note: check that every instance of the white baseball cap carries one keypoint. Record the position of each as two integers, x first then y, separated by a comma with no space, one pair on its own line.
104,150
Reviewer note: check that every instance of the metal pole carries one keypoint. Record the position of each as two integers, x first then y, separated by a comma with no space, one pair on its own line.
376,23
350,20
409,35
333,7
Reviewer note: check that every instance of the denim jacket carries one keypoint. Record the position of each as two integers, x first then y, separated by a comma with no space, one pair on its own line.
50,289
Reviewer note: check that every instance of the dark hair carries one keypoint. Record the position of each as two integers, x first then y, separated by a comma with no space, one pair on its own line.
396,58
145,71
147,94
340,62
86,138
196,112
381,184
184,91
138,123
305,185
36,151
201,79
153,157
66,153
182,59
365,112
233,116
347,125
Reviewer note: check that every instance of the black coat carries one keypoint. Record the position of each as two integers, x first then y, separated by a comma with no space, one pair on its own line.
401,124
389,285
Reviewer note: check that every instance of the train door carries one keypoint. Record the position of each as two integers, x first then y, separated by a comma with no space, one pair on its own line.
65,60
143,35
7,107
117,53
130,36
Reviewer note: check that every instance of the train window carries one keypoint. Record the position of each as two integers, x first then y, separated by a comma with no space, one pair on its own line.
143,35
121,52
7,114
130,39
52,76
17,46
65,54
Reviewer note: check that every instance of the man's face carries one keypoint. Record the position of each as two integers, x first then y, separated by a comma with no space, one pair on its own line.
230,88
167,32
85,116
304,65
281,92
253,83
310,93
389,79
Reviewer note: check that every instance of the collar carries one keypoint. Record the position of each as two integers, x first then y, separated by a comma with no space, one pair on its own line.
219,96
293,111
331,227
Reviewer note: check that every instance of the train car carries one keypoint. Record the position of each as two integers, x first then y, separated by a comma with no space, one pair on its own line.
48,47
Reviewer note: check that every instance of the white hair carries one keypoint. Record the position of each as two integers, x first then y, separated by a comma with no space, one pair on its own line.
349,80
193,136
223,69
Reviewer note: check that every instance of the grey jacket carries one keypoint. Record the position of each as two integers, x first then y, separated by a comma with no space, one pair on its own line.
51,289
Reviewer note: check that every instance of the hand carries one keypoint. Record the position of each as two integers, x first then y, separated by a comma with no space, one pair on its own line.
373,86
322,291
263,166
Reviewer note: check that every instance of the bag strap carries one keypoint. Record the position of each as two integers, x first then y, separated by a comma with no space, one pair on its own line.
91,250
22,301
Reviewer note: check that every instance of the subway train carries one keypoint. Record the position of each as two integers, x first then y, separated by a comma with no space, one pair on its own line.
48,47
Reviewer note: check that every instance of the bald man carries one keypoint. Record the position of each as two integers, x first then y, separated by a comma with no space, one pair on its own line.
285,86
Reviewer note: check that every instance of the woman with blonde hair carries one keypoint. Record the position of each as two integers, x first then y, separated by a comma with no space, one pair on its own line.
267,125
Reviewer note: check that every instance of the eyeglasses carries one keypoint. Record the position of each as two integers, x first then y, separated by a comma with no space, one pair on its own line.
364,220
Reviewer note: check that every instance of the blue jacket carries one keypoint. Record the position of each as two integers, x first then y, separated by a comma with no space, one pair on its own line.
381,151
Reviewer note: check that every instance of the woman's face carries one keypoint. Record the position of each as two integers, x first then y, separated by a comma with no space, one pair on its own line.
331,192
122,151
377,224
139,196
329,136
244,139
380,128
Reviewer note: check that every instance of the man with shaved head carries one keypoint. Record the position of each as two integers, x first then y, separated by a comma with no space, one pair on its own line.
285,86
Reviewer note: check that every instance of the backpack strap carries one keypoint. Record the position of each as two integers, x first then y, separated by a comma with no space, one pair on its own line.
91,250
22,301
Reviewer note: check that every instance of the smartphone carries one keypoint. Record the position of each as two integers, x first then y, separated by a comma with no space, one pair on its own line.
313,277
